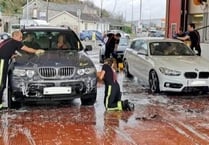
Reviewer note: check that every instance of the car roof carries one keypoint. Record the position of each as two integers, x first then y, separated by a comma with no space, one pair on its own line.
45,28
158,39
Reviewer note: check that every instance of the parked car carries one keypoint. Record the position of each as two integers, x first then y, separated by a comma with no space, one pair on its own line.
58,74
123,44
166,65
87,35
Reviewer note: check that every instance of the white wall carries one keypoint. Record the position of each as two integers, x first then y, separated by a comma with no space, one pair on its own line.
88,26
65,19
205,50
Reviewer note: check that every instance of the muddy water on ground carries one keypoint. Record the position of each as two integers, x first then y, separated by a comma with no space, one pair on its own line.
159,119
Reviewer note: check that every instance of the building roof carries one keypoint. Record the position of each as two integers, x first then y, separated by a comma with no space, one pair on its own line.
87,17
58,6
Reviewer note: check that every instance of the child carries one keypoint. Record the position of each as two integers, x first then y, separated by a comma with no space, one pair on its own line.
112,99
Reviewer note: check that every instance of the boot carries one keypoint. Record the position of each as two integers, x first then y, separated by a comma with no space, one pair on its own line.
127,106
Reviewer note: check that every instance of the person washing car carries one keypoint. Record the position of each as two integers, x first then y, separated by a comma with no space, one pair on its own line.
112,45
194,37
112,98
7,50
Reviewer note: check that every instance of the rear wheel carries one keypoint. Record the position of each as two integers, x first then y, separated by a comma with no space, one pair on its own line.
126,70
154,82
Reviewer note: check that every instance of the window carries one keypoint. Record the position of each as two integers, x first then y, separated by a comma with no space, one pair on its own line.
49,39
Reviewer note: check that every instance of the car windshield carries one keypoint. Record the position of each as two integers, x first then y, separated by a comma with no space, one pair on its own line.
52,40
123,42
170,48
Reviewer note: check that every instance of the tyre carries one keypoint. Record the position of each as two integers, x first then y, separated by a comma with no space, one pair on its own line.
10,103
101,58
126,70
89,101
154,82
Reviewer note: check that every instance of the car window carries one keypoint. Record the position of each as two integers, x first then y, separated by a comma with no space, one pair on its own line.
170,48
51,40
123,42
132,46
137,45
140,44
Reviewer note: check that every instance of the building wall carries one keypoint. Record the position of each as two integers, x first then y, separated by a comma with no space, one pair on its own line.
198,14
85,25
65,19
194,9
173,15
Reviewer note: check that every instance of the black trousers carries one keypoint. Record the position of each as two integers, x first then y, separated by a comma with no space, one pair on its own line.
3,76
112,99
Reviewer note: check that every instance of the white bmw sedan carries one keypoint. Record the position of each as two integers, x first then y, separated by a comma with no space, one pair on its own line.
166,65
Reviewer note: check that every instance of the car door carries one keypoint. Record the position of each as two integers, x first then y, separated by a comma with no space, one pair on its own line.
128,55
135,60
143,61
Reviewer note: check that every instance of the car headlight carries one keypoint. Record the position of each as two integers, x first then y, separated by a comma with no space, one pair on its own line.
169,72
30,73
90,70
19,72
86,71
80,72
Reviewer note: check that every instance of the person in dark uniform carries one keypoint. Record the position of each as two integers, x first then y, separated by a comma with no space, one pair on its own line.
194,37
112,99
112,45
7,50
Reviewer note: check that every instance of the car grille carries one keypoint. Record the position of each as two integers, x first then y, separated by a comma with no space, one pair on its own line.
50,72
204,75
190,75
194,75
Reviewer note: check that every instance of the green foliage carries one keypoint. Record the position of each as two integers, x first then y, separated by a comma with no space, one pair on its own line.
11,7
127,29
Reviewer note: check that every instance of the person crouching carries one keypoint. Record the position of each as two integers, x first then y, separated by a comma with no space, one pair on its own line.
112,98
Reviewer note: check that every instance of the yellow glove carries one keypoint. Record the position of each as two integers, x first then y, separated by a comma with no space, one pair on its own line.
39,51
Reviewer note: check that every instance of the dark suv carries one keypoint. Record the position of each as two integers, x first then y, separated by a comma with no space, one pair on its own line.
58,74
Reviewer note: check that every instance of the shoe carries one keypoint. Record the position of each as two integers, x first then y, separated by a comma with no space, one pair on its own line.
124,105
131,106
127,106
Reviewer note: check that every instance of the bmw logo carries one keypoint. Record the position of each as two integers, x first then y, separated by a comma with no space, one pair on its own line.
196,69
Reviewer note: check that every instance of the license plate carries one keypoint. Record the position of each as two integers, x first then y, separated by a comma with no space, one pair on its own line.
198,83
57,90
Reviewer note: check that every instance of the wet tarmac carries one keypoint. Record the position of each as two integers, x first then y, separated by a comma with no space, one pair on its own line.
158,119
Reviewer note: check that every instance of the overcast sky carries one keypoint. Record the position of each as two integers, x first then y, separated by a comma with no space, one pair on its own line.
150,8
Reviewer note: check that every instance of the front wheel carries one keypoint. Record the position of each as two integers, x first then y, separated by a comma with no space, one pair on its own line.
89,101
9,97
154,82
101,58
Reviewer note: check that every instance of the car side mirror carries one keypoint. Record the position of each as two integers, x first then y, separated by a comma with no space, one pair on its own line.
142,52
88,48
